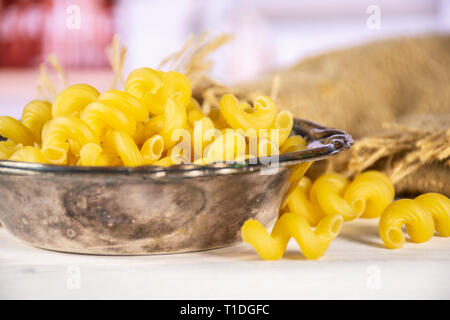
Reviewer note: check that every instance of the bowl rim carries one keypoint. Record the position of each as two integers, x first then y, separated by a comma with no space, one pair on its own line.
322,142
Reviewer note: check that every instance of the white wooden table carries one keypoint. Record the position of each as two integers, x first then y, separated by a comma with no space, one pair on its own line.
355,266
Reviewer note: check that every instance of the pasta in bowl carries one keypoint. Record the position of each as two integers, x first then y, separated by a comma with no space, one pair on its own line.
152,209
147,170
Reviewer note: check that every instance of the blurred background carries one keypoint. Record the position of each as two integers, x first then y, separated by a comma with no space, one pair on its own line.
269,34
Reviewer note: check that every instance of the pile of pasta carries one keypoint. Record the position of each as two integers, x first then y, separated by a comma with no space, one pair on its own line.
153,121
333,199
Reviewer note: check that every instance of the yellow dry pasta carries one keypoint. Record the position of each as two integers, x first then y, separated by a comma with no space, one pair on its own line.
327,195
114,110
263,116
267,147
139,136
175,118
369,194
200,138
35,114
366,196
218,120
153,126
194,113
439,207
57,133
168,161
7,149
153,88
292,144
298,172
299,202
176,87
226,148
313,243
14,130
28,154
152,149
155,109
421,217
125,147
72,100
144,84
284,122
90,155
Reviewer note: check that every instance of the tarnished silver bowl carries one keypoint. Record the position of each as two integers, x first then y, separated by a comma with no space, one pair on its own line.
149,210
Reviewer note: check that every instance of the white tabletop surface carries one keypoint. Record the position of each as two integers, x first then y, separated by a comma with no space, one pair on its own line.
355,266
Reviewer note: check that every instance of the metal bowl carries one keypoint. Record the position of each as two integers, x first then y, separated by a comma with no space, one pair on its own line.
150,210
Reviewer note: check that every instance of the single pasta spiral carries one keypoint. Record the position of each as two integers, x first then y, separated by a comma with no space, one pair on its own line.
115,110
153,88
421,217
35,115
237,117
369,194
57,134
72,100
313,243
125,147
16,131
366,196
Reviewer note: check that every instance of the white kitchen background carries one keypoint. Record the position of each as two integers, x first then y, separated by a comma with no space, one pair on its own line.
269,34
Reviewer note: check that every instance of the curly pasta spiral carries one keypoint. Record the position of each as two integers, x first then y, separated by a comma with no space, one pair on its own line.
57,134
313,243
262,118
115,110
125,147
175,117
7,149
144,84
28,154
16,131
35,115
366,196
73,99
369,194
153,88
421,217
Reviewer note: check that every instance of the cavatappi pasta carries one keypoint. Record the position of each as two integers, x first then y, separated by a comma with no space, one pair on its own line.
313,243
421,217
323,204
153,121
366,196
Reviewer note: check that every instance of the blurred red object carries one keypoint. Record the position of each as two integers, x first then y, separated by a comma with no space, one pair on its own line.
77,31
21,26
